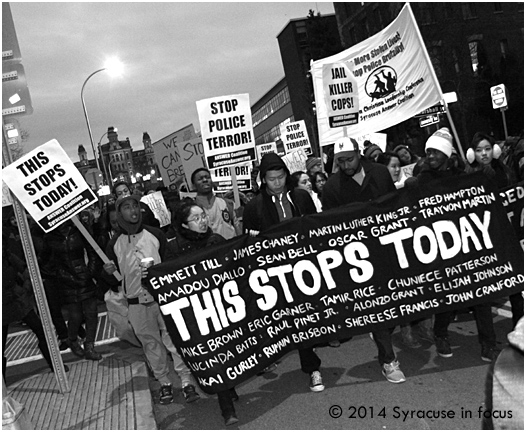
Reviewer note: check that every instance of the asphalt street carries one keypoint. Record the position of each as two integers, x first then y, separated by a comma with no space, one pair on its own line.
356,394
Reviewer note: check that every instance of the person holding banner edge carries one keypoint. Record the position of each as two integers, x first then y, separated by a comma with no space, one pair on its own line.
276,202
191,231
133,243
360,180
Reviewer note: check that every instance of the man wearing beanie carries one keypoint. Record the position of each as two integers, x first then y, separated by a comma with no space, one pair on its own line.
437,164
277,202
313,165
359,180
127,248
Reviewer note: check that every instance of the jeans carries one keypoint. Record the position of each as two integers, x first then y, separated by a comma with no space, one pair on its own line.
55,309
86,309
383,342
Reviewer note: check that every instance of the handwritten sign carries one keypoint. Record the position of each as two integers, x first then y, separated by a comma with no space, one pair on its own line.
158,207
192,157
168,155
48,185
226,127
295,160
407,171
235,308
294,136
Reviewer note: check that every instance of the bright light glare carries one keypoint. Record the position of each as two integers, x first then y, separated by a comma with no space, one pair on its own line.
12,133
114,67
14,99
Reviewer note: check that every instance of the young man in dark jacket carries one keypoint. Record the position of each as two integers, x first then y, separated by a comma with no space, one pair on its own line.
359,180
277,202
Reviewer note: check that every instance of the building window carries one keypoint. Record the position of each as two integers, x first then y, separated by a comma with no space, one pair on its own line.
456,63
469,11
271,106
498,7
477,55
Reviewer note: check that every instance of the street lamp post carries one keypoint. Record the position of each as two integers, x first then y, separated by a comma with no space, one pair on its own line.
114,67
99,148
86,116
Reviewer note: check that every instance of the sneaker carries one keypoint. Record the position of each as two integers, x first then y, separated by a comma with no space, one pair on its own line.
334,343
190,394
392,372
443,347
489,353
230,419
166,396
316,383
63,344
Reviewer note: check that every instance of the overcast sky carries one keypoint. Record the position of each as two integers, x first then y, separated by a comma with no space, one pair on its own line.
174,55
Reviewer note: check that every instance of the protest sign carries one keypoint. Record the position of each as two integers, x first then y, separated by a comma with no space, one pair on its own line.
223,179
235,308
168,157
380,139
192,157
226,128
295,160
48,185
157,205
407,171
294,136
393,80
341,94
263,149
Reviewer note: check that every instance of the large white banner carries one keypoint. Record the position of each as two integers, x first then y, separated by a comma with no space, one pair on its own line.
48,185
386,81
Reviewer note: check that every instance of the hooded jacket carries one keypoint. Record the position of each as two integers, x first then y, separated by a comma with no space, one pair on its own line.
261,213
134,242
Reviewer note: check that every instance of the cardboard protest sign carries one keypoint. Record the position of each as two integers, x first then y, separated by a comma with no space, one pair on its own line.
263,149
236,307
394,81
380,139
48,185
295,160
341,94
192,157
226,128
294,136
223,179
168,155
407,171
157,205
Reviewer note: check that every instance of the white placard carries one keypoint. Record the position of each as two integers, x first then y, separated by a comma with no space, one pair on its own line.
226,129
294,136
48,185
156,203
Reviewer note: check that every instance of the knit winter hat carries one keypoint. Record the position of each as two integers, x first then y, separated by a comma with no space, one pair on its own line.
370,150
312,162
128,227
441,140
346,144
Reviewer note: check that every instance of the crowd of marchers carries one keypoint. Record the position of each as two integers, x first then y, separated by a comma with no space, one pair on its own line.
76,280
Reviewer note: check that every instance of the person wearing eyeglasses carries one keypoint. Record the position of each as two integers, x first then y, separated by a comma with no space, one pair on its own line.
191,231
